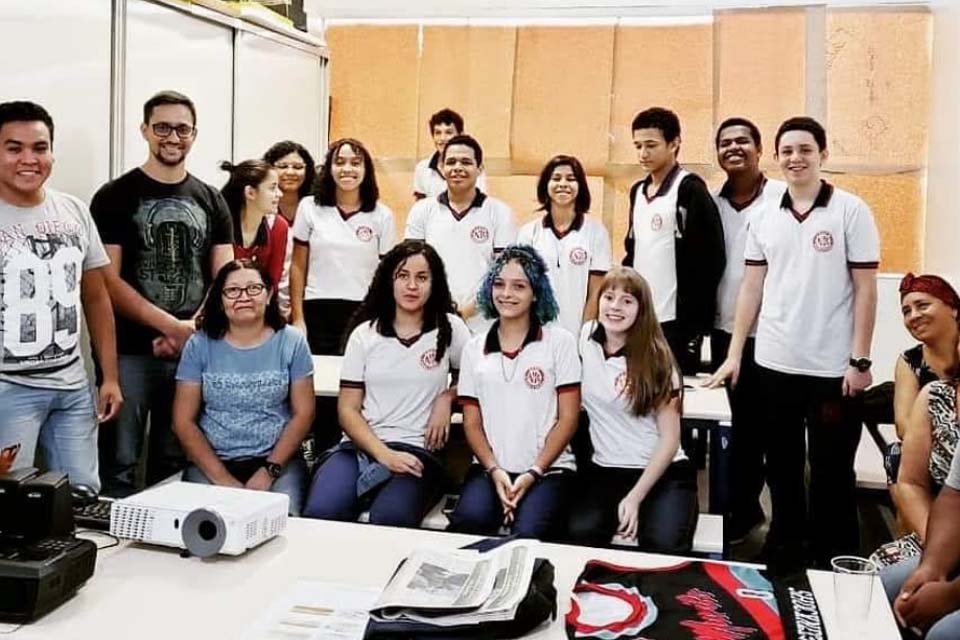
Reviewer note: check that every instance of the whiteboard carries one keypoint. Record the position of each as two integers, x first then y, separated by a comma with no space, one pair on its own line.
57,54
168,49
278,96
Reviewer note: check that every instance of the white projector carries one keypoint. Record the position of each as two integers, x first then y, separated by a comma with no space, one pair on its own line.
203,519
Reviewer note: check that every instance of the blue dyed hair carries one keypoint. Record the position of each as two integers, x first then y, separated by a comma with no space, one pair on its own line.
544,307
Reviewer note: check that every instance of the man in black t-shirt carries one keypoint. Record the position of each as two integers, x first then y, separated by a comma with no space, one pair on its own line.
167,234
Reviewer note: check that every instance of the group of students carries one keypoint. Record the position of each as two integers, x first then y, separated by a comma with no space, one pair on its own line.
217,299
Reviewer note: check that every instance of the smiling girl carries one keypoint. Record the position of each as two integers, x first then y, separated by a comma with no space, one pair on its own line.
339,236
520,391
639,484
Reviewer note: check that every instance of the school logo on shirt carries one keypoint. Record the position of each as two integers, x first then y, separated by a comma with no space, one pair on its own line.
428,360
578,255
656,222
823,241
534,377
479,234
620,384
364,233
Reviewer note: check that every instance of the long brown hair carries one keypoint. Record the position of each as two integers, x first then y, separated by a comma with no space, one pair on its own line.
650,364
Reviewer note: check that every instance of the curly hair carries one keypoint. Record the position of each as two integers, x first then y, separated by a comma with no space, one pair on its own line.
380,307
324,187
545,307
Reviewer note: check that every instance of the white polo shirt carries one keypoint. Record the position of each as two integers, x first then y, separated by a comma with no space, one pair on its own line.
428,182
517,393
466,241
620,439
653,221
400,379
806,316
345,249
571,258
735,218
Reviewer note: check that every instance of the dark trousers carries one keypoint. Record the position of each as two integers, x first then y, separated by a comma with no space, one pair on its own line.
804,411
327,322
685,346
540,514
402,501
668,515
746,447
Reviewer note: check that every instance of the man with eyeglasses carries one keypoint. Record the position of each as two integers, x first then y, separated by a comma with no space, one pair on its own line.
167,234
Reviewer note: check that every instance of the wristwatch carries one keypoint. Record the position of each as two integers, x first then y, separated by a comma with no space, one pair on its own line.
861,364
273,469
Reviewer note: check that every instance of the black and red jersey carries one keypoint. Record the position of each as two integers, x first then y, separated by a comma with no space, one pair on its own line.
691,601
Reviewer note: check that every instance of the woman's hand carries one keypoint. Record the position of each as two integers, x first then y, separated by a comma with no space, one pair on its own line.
501,482
403,463
438,424
520,487
260,480
629,513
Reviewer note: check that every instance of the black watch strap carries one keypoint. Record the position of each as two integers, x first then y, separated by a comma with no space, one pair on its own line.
861,364
274,470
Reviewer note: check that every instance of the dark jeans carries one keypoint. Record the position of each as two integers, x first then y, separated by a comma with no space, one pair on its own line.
327,322
746,447
668,515
540,514
804,411
147,384
402,501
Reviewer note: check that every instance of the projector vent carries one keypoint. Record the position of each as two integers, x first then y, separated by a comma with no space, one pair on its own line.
131,522
251,531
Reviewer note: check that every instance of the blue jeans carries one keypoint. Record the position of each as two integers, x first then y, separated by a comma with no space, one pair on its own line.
401,501
540,514
63,422
893,577
292,482
148,385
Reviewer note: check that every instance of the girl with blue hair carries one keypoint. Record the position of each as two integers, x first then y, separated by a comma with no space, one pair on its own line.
520,390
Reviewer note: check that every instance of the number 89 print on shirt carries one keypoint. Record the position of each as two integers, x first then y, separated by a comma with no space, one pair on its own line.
43,253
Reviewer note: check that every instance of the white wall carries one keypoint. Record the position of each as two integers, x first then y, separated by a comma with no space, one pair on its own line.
942,232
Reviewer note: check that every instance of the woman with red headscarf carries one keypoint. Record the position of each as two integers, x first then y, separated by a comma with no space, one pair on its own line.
925,397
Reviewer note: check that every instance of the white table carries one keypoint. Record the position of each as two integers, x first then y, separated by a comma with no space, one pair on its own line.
151,593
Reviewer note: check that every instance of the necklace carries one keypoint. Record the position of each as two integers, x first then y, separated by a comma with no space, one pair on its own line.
503,367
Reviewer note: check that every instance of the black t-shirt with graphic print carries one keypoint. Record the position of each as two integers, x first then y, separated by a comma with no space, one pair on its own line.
166,232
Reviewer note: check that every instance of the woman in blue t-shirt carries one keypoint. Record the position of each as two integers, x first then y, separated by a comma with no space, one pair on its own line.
245,398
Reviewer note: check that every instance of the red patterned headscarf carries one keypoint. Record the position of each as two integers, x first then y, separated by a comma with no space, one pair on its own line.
932,285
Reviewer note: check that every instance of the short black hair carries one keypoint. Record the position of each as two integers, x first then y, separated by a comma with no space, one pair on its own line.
658,118
285,148
582,203
466,141
25,111
168,97
325,189
802,123
213,318
738,122
446,116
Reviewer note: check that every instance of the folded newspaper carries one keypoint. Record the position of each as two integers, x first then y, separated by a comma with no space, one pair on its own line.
457,587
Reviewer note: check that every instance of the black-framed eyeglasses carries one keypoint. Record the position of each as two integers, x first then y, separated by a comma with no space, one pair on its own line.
252,291
164,129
